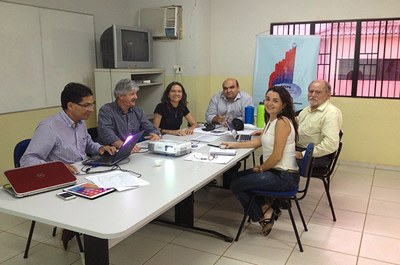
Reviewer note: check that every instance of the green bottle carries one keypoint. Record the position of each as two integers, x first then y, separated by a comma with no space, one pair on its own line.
260,115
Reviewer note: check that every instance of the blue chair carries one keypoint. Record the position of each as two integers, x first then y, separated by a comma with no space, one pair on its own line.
287,196
19,151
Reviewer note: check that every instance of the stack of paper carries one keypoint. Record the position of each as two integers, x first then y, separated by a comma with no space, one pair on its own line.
117,179
206,138
222,152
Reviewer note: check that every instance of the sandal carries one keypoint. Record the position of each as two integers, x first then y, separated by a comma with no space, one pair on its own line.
277,213
268,223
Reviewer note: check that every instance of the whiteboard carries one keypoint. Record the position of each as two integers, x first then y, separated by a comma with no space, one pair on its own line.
41,50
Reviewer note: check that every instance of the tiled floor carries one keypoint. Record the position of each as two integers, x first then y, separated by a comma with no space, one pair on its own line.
367,230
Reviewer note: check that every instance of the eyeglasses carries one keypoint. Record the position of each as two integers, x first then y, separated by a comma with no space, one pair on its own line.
210,157
87,106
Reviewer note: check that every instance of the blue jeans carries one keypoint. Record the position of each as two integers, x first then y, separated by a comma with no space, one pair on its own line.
272,180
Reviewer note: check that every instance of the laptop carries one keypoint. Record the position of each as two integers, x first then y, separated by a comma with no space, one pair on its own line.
31,180
123,153
238,137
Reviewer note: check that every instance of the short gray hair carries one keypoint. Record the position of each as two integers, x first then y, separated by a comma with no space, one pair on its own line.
124,86
327,86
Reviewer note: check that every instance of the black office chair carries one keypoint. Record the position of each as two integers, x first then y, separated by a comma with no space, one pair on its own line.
93,133
287,196
325,174
19,151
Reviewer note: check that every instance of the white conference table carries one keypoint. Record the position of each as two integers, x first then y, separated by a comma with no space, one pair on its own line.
120,214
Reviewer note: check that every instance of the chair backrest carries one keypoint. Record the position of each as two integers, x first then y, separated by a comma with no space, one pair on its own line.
19,150
327,170
93,133
306,162
306,169
335,159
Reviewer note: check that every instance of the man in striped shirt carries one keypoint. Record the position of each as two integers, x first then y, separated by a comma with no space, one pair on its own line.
64,137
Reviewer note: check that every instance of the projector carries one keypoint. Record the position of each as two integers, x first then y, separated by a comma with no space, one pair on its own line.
170,147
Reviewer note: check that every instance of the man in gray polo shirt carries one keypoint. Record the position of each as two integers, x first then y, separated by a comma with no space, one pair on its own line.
228,103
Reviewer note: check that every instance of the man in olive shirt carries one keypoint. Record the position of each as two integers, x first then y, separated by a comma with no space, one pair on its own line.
319,123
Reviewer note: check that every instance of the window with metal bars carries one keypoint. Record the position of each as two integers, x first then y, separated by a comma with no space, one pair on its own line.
359,58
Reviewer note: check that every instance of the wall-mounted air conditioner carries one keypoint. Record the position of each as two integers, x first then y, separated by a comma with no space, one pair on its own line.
164,22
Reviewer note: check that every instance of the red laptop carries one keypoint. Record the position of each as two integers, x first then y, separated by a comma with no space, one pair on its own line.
36,179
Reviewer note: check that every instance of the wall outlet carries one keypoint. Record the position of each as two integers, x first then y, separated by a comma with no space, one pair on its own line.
177,69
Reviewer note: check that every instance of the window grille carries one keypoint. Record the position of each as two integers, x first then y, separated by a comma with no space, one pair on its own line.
359,58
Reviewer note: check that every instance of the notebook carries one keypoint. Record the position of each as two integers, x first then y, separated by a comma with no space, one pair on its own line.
36,179
236,136
88,190
123,153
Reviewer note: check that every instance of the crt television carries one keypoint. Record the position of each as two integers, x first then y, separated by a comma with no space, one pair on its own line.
126,47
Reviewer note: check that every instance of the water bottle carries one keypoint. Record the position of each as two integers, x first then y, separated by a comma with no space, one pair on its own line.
249,115
260,115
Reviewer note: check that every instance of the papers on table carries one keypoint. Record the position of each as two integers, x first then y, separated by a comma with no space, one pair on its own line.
207,138
117,179
222,152
200,157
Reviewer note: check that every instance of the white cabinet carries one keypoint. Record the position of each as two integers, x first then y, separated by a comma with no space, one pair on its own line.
151,84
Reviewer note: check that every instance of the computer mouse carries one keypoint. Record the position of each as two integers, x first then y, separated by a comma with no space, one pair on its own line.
208,127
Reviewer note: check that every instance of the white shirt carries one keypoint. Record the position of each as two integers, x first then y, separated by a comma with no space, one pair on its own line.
288,160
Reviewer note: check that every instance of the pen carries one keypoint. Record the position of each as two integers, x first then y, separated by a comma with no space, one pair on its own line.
213,145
